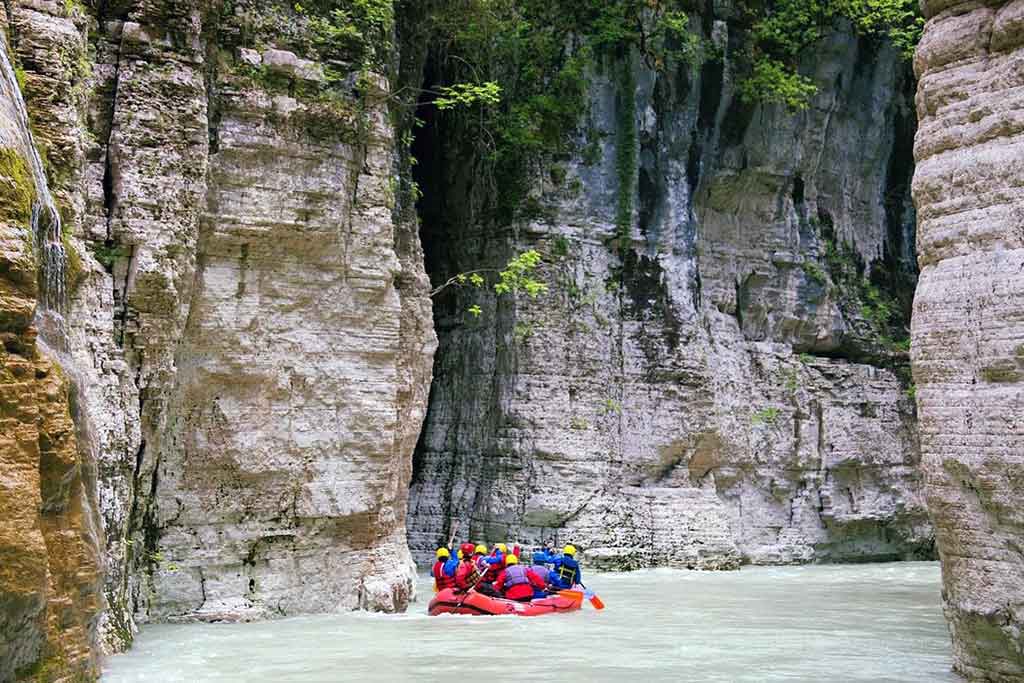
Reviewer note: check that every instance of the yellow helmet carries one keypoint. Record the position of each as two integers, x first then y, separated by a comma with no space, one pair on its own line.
501,547
481,548
511,559
569,550
443,552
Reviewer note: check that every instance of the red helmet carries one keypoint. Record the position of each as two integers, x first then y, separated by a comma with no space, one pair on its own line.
467,550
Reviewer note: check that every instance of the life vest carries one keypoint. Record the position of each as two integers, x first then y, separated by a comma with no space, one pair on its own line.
515,575
441,576
542,571
492,571
567,571
468,575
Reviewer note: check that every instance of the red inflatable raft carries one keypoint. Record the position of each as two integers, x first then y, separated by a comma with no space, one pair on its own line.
450,602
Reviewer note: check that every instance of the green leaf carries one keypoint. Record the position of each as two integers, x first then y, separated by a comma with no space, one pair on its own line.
468,94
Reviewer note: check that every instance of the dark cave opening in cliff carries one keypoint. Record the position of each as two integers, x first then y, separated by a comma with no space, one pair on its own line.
900,271
429,173
454,240
435,173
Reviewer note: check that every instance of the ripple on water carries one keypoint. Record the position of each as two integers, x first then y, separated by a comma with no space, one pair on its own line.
810,623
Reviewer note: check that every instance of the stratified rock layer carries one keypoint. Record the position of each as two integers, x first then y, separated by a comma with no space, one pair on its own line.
246,332
695,398
50,535
279,347
285,416
969,322
53,49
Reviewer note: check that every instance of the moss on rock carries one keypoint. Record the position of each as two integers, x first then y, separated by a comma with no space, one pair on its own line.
17,188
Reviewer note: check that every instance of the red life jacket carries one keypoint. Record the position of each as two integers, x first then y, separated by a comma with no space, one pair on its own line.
440,578
491,575
466,575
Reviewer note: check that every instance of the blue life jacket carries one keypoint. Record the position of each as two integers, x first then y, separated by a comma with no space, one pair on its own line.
566,572
450,566
541,557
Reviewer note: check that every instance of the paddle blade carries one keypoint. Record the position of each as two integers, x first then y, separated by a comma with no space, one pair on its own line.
596,602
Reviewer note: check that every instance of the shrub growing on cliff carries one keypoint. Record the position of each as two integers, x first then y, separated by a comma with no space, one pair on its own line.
814,272
467,94
518,275
359,31
784,29
765,416
773,82
536,53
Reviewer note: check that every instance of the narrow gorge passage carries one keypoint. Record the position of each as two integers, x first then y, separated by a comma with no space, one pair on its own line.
290,293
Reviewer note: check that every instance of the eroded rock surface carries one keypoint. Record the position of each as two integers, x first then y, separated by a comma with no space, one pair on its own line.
50,535
716,392
284,420
969,321
52,47
244,315
274,348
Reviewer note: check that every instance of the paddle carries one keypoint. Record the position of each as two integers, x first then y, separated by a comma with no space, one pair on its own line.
479,578
579,595
592,596
451,536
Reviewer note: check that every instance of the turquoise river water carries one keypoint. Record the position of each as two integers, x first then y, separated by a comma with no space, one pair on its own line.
874,623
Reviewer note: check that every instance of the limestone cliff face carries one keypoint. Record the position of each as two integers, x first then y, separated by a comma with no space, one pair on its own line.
969,321
237,347
51,44
50,535
277,345
715,392
243,313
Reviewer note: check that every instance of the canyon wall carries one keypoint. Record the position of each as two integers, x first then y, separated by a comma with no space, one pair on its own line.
50,535
243,320
209,408
968,331
725,382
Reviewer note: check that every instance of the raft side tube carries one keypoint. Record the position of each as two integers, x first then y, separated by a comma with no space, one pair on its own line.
448,601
